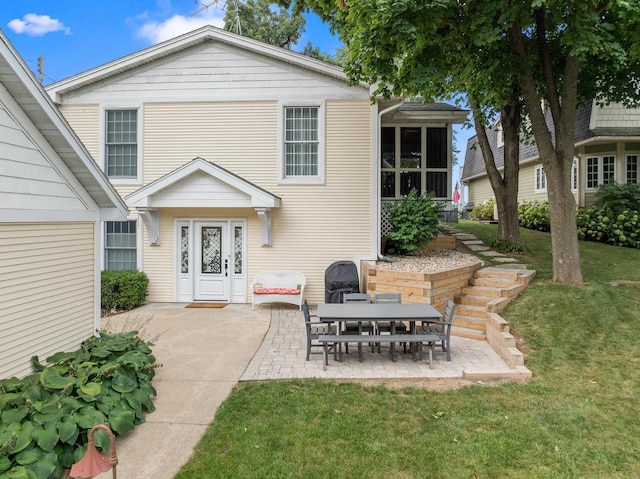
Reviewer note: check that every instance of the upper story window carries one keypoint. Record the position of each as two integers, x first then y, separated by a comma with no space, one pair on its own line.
601,170
541,180
414,157
303,149
120,245
499,135
121,144
632,168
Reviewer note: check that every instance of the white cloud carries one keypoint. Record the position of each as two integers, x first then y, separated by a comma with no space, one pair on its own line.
36,25
157,32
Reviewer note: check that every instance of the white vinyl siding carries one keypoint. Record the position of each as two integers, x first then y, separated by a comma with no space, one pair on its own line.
479,190
220,73
48,278
31,176
298,242
85,121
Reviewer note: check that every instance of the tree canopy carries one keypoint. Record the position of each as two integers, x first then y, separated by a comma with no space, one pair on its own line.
265,21
501,53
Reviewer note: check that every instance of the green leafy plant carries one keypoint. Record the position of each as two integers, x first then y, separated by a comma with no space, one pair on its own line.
483,212
506,246
414,221
47,416
124,289
534,215
618,197
607,226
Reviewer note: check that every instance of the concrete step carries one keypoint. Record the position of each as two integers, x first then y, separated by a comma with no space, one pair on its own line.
470,322
468,333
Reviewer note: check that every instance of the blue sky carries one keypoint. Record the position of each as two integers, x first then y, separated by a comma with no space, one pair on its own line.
76,35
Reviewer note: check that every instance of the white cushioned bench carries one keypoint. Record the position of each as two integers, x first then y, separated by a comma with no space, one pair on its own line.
278,287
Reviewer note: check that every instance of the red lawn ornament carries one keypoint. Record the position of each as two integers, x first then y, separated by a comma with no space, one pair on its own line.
93,463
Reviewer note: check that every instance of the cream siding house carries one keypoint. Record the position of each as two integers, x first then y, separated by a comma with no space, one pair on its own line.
237,157
53,198
607,148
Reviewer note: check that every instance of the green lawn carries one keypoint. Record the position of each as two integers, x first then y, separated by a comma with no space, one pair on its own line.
577,418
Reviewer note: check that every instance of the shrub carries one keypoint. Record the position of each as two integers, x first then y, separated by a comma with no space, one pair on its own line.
46,417
414,221
607,226
619,197
484,211
123,289
534,215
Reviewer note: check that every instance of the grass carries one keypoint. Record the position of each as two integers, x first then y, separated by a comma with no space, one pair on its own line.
577,418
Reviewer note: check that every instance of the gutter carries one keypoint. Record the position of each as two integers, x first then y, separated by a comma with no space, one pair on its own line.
377,170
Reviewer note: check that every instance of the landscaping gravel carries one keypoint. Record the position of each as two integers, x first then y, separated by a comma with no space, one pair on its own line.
429,261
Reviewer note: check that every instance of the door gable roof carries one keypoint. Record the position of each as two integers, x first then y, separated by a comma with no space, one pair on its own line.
171,189
214,187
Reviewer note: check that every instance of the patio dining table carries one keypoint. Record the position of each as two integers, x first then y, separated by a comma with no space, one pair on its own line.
342,313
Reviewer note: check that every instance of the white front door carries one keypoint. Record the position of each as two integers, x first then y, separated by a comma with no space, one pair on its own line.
212,257
210,260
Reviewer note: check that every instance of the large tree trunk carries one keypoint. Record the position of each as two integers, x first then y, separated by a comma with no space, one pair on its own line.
505,187
556,159
562,212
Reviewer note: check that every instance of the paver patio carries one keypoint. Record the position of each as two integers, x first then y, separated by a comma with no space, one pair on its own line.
282,355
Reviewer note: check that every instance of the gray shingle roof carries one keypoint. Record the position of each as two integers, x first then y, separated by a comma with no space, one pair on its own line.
474,163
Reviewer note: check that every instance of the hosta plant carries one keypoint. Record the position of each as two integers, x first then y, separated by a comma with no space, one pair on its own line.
46,417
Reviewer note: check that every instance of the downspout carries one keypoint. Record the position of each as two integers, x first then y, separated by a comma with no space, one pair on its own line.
378,179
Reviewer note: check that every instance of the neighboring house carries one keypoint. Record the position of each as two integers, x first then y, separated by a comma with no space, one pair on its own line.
607,148
237,157
53,198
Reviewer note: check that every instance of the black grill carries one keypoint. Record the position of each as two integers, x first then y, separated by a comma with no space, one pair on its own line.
339,278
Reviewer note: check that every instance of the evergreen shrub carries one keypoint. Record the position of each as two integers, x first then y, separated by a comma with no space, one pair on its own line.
124,289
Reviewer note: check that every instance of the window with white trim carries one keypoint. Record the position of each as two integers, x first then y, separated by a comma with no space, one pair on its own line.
302,142
608,169
121,144
120,245
574,175
541,180
414,157
632,169
601,170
